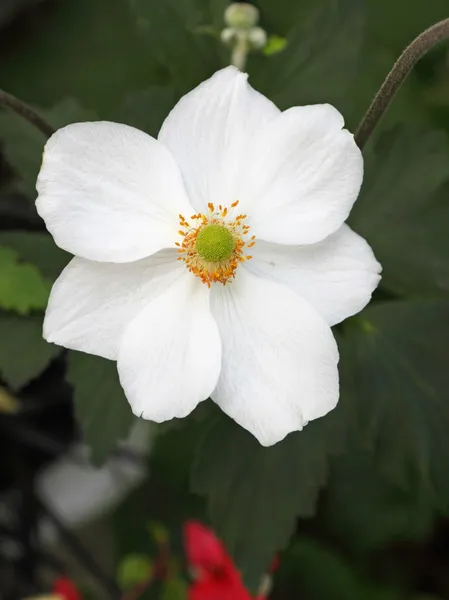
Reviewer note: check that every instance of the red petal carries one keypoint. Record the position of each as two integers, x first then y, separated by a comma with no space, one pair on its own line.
203,549
65,588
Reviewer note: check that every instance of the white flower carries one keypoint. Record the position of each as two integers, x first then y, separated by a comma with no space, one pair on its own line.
228,169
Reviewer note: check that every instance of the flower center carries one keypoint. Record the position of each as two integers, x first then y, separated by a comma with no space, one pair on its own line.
213,245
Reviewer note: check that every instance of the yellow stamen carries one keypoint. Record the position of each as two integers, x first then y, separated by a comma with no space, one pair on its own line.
213,246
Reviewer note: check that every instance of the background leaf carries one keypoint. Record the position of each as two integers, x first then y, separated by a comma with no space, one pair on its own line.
24,354
24,144
101,407
318,65
22,287
169,30
397,354
382,513
403,209
38,249
271,487
148,108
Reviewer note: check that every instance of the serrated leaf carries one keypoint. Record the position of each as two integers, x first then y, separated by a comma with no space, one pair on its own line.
403,210
24,144
38,249
24,354
396,353
22,287
101,407
322,56
256,494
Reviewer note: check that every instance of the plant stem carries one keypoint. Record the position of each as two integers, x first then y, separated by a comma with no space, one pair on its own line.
396,77
240,52
26,112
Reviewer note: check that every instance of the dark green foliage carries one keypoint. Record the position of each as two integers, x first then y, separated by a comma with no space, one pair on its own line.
24,354
130,61
101,408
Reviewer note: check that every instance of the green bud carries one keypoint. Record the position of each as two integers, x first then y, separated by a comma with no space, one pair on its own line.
242,16
229,36
214,243
257,38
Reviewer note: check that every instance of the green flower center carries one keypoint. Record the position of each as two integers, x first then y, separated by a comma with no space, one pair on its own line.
214,243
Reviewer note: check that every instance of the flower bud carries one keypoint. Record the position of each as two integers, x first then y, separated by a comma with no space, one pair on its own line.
229,36
242,16
257,38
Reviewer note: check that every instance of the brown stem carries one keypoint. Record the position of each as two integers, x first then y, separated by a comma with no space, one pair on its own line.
395,78
25,111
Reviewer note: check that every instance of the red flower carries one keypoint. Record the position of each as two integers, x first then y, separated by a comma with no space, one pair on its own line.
66,589
216,577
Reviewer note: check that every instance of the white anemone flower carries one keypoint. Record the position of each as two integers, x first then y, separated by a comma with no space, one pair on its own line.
213,261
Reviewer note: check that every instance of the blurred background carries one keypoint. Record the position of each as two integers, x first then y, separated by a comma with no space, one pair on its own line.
88,490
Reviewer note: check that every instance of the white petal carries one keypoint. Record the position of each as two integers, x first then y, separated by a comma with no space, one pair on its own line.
208,132
109,192
280,358
336,276
304,176
170,356
92,303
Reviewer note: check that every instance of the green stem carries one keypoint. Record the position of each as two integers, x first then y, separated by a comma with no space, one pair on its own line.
402,67
26,112
240,52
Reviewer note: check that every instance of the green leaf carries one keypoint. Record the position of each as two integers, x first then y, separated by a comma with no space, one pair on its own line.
50,64
22,288
147,109
403,210
256,494
396,353
322,56
38,249
384,512
274,45
24,144
24,354
308,560
170,30
101,407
